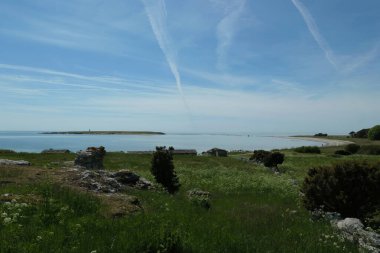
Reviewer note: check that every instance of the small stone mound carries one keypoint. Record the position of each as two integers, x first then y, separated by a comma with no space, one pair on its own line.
110,182
13,162
91,158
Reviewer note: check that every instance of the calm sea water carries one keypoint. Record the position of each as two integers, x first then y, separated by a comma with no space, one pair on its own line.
36,142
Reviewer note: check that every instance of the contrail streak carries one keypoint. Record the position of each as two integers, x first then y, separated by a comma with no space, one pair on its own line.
313,28
156,12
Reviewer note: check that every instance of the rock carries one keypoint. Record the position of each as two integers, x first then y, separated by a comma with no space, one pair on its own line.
200,198
110,182
198,193
91,159
125,177
13,162
143,183
352,229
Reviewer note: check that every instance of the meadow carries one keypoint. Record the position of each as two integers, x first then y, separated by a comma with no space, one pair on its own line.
252,209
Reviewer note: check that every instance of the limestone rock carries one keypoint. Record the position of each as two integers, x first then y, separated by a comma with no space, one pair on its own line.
110,182
125,177
13,162
353,230
91,158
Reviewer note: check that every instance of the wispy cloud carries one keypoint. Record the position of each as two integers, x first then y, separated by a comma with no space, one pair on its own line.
31,76
156,12
313,28
345,64
226,28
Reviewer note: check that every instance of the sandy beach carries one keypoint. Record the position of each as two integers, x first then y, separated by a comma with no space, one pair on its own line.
326,142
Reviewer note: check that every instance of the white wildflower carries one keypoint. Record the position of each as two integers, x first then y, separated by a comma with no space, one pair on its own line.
7,220
3,215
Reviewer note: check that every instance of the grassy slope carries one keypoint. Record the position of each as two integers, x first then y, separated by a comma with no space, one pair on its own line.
252,210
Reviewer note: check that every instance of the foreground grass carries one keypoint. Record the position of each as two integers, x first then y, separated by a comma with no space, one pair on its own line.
252,210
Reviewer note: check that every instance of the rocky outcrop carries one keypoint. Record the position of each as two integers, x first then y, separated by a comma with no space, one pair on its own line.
13,162
102,181
352,229
91,158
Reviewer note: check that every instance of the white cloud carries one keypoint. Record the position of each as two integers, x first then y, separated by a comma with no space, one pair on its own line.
226,28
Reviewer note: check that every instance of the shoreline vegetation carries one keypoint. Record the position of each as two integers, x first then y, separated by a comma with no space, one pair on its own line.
108,132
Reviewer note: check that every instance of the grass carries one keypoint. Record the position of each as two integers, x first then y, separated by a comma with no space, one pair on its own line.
252,210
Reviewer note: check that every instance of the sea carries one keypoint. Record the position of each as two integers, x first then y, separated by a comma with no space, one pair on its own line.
34,141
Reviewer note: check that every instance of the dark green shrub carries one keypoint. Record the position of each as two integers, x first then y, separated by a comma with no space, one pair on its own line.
163,169
308,149
352,148
269,159
362,133
320,135
349,188
374,133
259,156
273,159
342,152
370,150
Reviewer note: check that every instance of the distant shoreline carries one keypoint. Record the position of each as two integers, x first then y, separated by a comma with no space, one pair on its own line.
327,142
108,132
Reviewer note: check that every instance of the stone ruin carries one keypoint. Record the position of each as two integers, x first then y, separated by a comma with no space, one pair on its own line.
89,173
91,158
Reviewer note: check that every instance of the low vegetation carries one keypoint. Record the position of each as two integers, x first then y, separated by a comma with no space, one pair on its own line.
342,152
308,149
251,208
352,148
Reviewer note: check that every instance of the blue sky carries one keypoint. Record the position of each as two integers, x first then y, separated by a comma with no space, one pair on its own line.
190,65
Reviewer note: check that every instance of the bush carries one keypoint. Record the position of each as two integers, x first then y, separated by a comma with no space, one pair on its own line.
349,188
273,159
362,133
342,152
269,159
259,156
163,170
374,133
370,150
352,148
308,149
320,135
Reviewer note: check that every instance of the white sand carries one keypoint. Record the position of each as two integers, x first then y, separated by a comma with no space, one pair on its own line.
327,142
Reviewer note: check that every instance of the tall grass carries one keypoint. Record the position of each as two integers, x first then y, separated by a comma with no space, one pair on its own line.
252,210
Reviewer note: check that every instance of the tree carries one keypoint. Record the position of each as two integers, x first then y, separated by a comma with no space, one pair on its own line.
374,133
163,169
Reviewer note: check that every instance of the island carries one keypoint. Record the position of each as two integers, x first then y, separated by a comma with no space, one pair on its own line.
108,132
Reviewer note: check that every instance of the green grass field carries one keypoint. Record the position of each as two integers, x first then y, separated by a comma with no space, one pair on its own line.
252,210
